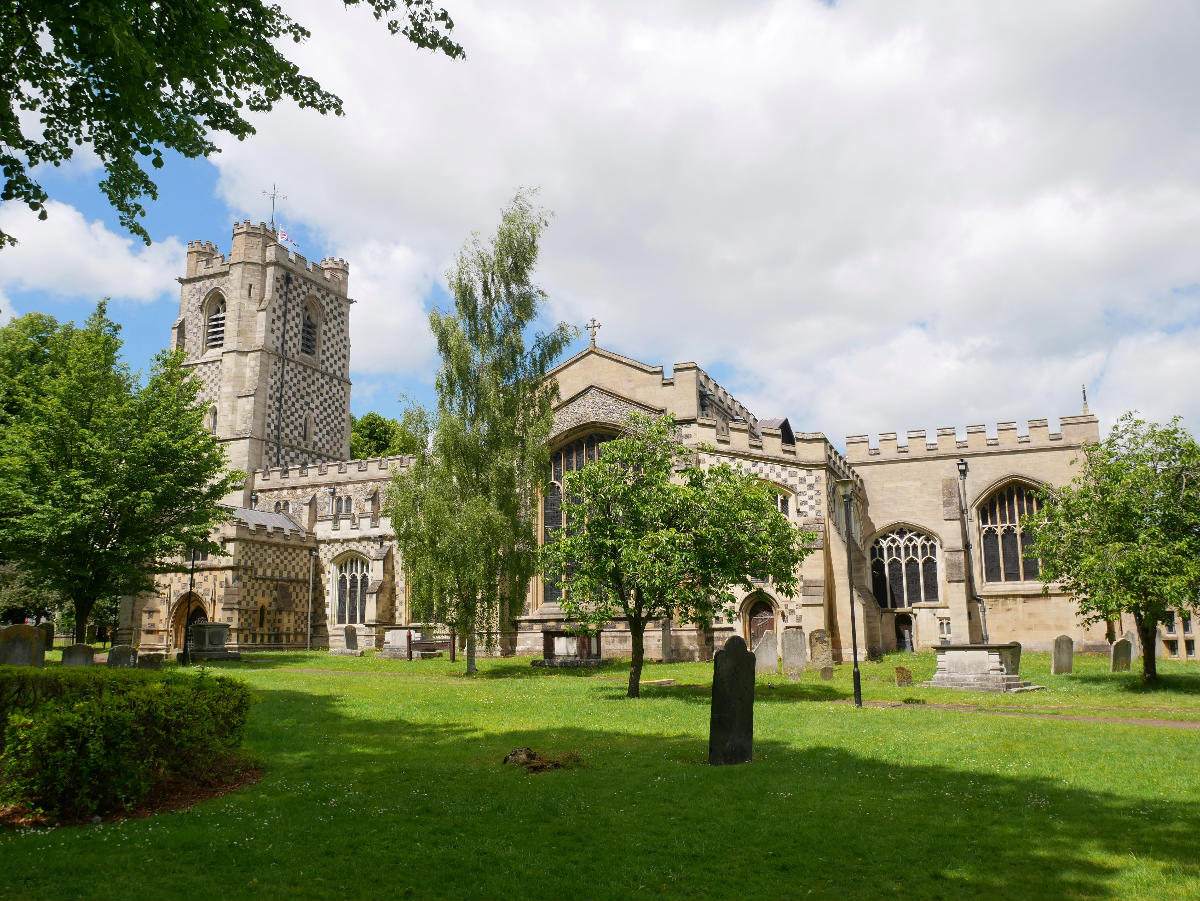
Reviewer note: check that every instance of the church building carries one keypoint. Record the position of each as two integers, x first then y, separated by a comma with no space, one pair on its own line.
936,541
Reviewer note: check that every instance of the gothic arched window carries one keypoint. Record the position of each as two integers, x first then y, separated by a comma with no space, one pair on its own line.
1004,544
904,568
568,458
352,579
214,322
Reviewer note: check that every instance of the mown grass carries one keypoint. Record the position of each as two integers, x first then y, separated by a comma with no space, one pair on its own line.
384,779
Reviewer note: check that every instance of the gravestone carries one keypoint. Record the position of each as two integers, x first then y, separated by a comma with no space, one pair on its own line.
903,676
1063,659
795,653
397,644
766,654
666,639
1135,645
47,630
78,655
22,645
731,722
123,656
150,661
822,653
1122,651
827,673
351,648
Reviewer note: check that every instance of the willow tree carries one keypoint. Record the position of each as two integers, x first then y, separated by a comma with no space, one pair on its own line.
1124,536
463,518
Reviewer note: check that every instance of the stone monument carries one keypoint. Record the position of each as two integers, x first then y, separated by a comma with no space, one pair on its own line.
122,656
47,630
397,644
766,654
209,642
795,653
22,645
150,661
980,667
78,655
351,648
1120,655
1063,659
731,722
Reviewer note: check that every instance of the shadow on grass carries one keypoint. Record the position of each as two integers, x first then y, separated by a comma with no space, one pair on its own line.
1177,683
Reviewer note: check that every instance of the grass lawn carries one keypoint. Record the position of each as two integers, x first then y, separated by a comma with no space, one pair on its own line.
384,779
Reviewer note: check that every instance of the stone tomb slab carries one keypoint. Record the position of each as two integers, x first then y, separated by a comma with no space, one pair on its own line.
351,649
980,667
22,645
1063,659
766,654
731,721
210,642
396,644
78,655
122,656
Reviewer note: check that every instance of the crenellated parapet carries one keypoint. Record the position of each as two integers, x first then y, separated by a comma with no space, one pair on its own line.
326,474
809,448
334,274
203,258
1075,430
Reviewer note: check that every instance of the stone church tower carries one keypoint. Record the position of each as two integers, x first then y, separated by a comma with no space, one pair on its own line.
267,334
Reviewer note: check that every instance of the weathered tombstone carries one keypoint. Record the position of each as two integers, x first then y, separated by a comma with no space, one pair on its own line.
47,630
822,653
766,654
795,653
123,656
150,661
731,722
78,655
827,673
351,638
1135,645
666,639
1063,659
22,645
1120,655
903,676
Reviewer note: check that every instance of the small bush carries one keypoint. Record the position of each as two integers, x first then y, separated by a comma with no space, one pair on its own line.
83,742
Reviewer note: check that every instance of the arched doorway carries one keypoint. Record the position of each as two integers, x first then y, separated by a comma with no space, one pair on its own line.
760,619
189,610
905,640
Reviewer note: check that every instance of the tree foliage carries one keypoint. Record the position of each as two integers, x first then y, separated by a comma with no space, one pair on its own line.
102,479
647,534
462,515
131,78
373,435
1124,536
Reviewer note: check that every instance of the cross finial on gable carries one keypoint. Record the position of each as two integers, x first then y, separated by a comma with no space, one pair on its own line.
593,327
1085,406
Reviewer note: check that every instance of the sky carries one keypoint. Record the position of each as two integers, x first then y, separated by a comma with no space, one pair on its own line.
865,216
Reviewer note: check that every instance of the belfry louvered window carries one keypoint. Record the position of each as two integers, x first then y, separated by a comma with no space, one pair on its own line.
352,580
568,458
308,333
214,325
904,569
1004,544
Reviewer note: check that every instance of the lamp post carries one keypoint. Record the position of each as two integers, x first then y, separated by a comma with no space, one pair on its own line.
186,658
312,566
962,507
846,487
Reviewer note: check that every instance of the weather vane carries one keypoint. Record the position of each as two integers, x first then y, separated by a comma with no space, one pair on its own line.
274,195
593,327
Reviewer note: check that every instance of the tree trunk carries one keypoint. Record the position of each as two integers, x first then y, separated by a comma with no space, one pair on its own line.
1147,629
83,610
471,668
637,632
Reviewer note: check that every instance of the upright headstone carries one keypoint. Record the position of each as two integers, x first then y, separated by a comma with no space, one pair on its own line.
795,653
1120,655
123,656
22,645
666,639
822,653
47,630
731,722
78,655
1135,645
766,653
150,661
827,673
1063,659
903,676
351,638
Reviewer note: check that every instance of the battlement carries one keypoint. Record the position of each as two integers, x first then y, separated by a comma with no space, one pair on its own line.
333,273
259,244
1075,430
203,258
809,449
326,474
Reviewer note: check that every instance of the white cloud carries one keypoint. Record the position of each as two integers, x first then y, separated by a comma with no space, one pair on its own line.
876,215
69,256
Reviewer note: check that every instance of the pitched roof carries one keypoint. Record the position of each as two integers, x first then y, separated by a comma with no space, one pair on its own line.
255,518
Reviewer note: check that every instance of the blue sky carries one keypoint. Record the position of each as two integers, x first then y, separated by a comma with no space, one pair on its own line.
868,216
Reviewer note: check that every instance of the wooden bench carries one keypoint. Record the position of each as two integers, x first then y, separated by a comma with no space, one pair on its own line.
431,646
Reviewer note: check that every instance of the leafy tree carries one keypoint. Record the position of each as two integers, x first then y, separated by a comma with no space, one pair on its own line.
22,594
373,435
1124,536
462,515
102,480
132,77
649,535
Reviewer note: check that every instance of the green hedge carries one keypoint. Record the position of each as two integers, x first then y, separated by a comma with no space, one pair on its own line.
92,740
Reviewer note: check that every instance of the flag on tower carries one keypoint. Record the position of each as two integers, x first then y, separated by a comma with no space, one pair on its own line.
284,239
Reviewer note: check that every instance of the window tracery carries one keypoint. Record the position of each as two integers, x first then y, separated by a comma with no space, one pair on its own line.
353,577
1004,544
904,568
567,458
